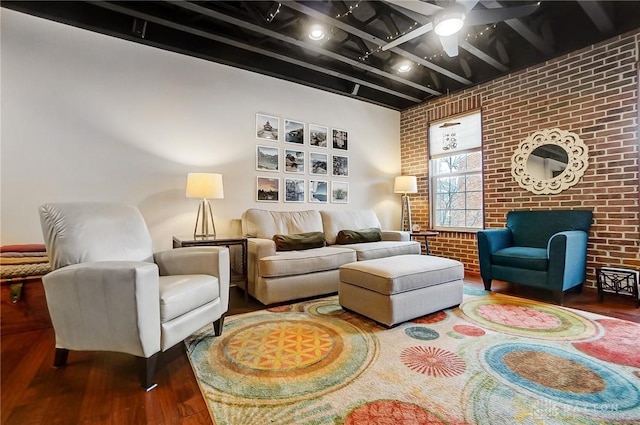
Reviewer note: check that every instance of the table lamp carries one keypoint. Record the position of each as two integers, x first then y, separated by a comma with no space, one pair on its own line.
405,185
204,186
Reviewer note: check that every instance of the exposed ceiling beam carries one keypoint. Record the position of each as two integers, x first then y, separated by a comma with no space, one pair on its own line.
309,46
391,26
600,17
408,36
518,26
502,52
417,6
435,78
465,67
417,17
482,55
361,44
253,11
468,4
372,38
252,48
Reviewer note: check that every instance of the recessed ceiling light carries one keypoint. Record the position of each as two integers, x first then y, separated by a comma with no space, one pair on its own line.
316,33
404,67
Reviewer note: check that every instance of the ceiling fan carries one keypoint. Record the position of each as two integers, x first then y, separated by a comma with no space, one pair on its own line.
448,21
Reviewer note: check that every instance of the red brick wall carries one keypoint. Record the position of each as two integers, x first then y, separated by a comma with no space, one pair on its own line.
592,92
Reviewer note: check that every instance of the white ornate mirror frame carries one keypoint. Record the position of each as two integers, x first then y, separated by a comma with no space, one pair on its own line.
577,163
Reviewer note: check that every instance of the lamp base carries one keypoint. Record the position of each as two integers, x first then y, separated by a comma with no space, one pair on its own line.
406,214
205,217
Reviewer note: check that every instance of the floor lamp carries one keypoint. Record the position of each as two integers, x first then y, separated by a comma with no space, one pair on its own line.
405,185
204,186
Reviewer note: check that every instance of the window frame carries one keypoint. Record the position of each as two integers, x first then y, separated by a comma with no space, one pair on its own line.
433,176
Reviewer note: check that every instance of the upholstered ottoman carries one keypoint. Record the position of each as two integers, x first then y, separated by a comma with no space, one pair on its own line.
393,290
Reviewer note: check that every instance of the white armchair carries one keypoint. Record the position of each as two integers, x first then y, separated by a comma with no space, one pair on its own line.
108,291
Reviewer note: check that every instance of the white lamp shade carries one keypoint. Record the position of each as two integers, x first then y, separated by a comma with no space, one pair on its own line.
406,184
205,186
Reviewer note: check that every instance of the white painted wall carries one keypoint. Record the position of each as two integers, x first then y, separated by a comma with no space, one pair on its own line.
87,117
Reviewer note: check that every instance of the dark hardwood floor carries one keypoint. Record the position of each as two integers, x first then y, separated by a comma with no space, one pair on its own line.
102,388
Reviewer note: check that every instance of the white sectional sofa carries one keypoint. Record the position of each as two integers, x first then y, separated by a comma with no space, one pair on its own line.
277,276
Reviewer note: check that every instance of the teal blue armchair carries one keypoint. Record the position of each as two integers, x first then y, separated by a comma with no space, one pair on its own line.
543,249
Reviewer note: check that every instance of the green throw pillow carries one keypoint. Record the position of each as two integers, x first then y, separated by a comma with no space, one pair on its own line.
299,241
346,237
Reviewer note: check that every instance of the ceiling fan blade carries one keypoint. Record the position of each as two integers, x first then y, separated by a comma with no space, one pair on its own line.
467,4
418,17
450,44
488,16
409,36
418,6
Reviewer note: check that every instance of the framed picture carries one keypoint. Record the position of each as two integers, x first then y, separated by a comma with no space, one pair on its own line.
340,139
318,135
267,158
293,132
318,163
268,189
294,190
318,191
293,161
267,127
340,192
340,166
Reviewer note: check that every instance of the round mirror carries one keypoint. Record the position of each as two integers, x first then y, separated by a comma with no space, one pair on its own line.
549,161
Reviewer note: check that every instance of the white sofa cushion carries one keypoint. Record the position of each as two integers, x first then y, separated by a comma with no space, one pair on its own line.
335,220
373,250
257,223
292,263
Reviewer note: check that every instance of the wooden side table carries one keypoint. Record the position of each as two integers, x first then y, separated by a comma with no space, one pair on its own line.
181,242
426,235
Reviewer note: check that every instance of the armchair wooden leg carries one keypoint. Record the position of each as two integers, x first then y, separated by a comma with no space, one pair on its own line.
60,358
217,326
487,284
147,371
558,297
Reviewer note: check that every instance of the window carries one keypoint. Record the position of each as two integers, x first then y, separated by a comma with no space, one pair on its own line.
455,173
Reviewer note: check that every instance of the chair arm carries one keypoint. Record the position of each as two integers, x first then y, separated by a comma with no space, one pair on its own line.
490,241
211,260
567,253
106,306
395,235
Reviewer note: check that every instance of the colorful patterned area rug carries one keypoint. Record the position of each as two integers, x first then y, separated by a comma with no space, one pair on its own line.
494,360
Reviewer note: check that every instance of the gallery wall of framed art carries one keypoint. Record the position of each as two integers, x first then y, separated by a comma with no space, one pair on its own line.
300,162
